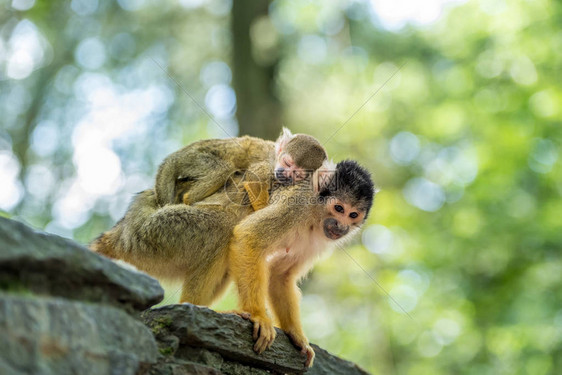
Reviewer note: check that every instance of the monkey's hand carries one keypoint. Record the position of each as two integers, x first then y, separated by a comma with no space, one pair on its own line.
258,194
185,199
300,341
264,333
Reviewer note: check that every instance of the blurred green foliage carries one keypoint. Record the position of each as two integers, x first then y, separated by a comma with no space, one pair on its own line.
459,119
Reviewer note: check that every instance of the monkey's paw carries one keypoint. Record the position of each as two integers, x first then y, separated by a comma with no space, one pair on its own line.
300,341
185,199
264,333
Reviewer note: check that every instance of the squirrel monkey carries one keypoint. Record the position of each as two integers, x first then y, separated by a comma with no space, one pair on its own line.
200,169
272,249
168,239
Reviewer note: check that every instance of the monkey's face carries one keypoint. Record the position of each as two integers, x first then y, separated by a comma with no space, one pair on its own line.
342,218
287,171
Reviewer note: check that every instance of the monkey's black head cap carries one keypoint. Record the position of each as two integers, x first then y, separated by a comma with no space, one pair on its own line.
352,183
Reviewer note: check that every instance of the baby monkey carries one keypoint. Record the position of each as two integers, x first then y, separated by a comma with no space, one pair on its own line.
200,169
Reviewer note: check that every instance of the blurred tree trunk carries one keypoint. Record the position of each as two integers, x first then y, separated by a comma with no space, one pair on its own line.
258,108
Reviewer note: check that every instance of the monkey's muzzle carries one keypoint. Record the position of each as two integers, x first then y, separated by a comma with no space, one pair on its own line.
284,176
334,230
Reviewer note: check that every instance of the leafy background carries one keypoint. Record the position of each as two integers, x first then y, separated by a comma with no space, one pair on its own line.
454,106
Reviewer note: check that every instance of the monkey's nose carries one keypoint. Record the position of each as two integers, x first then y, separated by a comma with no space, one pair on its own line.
282,177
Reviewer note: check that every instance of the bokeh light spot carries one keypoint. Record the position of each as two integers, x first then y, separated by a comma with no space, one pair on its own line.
312,49
215,73
84,7
90,53
378,239
404,148
11,192
543,156
424,194
23,4
221,101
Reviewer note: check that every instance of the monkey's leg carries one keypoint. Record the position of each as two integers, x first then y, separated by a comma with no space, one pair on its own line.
212,175
284,298
191,240
257,183
250,272
205,287
258,194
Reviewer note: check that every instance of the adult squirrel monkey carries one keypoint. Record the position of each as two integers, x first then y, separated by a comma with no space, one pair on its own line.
169,239
272,249
200,169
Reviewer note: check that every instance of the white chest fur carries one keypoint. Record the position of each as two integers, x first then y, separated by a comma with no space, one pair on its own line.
302,247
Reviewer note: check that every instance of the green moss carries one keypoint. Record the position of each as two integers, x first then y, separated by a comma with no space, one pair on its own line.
15,287
165,321
159,324
167,351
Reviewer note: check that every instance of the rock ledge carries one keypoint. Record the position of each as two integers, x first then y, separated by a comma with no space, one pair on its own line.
67,310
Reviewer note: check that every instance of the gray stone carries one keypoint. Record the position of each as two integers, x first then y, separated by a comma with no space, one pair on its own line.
224,342
178,367
233,368
200,355
228,335
54,336
51,265
326,363
214,360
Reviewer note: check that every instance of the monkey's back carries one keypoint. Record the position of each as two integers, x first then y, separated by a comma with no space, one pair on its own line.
208,163
242,151
173,241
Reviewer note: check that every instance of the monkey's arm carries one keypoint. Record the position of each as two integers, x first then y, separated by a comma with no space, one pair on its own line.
250,241
284,296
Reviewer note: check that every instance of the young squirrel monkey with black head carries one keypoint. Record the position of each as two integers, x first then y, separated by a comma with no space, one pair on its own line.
202,168
272,249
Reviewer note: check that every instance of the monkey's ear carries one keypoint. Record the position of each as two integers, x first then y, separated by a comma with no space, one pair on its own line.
282,141
324,176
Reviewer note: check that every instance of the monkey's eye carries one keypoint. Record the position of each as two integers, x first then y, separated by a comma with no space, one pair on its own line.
353,215
338,208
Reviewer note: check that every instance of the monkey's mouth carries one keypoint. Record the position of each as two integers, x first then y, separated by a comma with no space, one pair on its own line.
333,234
282,178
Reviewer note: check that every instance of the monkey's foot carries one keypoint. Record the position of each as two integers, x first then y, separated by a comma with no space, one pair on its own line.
300,341
258,194
243,314
264,333
185,199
